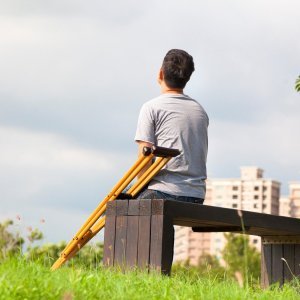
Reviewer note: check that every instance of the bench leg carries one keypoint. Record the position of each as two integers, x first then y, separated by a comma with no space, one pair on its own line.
280,260
162,244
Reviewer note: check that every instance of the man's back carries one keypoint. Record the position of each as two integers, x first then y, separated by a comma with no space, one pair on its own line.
177,121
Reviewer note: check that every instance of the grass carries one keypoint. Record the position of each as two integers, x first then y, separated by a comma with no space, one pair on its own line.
21,279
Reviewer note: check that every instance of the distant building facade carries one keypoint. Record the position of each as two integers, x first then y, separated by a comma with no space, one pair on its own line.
249,192
285,208
295,199
290,205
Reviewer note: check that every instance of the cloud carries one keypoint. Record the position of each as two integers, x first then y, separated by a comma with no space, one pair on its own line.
114,13
270,144
26,149
47,169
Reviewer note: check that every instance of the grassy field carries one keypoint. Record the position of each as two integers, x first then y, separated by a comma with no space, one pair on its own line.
20,279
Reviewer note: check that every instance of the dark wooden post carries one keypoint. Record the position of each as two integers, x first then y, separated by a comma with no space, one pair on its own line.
132,233
121,233
280,259
143,255
109,235
162,239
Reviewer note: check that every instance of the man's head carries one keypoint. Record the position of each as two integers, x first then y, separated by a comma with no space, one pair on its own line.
177,68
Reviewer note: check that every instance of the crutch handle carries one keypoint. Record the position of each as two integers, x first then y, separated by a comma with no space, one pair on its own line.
147,151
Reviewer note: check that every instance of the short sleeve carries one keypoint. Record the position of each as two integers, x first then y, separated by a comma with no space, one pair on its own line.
145,127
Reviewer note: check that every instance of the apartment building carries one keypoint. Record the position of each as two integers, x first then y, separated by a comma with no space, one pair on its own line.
285,207
295,199
189,245
290,205
250,192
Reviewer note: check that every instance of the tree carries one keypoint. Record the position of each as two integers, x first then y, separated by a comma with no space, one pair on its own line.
10,242
297,84
242,260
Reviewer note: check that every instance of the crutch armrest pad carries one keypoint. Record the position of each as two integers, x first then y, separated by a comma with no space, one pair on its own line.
164,152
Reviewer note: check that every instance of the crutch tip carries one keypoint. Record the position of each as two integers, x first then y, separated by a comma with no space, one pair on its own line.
56,265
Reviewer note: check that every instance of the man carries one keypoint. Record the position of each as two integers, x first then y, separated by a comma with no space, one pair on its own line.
174,120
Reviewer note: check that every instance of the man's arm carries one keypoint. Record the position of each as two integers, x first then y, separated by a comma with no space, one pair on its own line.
141,146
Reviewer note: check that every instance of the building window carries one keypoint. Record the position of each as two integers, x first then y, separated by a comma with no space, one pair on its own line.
256,188
264,206
235,188
219,187
255,241
256,197
234,205
254,205
234,196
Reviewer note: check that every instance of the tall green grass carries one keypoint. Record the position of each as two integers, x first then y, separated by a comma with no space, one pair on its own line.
22,279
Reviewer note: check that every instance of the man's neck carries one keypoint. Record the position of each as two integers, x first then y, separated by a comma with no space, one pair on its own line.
167,90
172,91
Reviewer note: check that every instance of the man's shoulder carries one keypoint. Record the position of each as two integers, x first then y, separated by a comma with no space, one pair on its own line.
152,104
165,98
160,101
154,101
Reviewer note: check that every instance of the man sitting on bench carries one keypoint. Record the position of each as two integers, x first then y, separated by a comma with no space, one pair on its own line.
174,120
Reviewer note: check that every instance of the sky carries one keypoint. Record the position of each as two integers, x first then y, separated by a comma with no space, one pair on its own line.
74,75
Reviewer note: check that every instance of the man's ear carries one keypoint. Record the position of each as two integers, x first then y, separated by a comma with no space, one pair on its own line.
160,76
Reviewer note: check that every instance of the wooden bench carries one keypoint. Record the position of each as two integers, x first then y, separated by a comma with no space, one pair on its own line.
138,233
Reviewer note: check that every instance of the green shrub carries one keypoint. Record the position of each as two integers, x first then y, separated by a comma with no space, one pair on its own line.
242,260
90,255
10,242
297,84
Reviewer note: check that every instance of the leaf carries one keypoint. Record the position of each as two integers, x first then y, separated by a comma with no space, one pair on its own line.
297,84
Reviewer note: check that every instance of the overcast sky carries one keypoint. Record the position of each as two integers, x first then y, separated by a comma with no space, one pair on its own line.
74,75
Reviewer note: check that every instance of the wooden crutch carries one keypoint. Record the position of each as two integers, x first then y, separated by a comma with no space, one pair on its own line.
96,220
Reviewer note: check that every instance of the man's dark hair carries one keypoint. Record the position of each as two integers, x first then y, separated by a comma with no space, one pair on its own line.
177,68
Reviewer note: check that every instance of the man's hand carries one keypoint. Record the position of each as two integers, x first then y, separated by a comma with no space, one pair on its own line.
141,146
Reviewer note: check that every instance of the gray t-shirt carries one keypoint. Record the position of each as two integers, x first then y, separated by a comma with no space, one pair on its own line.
177,121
